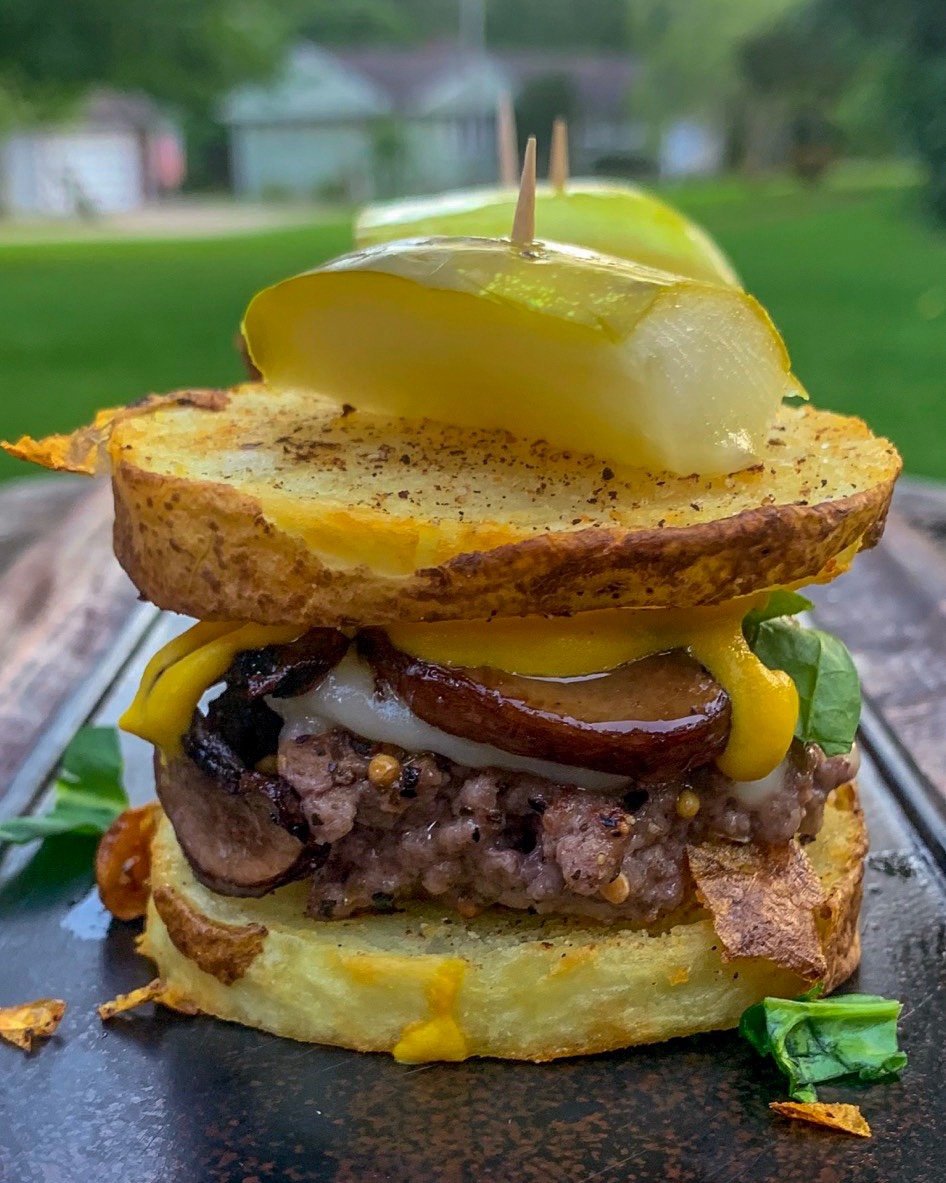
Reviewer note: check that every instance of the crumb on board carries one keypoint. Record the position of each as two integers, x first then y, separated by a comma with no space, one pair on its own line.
155,991
29,1021
846,1118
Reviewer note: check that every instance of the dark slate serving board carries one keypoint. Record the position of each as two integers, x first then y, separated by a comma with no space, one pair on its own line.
160,1098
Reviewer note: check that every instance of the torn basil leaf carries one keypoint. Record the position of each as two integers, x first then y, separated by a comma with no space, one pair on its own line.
829,690
89,793
781,602
814,1040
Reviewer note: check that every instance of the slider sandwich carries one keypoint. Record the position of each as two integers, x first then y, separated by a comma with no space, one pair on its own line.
496,734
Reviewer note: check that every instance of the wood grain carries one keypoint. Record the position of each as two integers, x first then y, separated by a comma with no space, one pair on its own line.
63,602
31,506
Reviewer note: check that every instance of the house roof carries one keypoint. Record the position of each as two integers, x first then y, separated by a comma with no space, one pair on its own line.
313,85
601,80
438,78
111,110
405,73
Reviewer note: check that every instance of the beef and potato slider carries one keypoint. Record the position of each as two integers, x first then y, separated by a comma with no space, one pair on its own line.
505,674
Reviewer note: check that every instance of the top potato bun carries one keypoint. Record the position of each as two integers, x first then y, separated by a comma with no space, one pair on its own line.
285,509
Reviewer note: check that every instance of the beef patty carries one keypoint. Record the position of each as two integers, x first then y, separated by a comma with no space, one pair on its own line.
477,837
373,825
473,837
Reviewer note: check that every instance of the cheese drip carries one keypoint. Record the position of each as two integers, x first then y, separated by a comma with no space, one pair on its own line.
177,676
438,1037
764,701
347,697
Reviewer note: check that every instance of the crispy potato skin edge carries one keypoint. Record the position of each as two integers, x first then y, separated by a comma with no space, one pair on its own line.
204,550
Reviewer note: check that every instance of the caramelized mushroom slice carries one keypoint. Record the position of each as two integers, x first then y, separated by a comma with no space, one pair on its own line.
231,841
662,714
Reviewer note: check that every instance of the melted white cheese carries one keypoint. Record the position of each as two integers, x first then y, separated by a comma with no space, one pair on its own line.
347,697
753,793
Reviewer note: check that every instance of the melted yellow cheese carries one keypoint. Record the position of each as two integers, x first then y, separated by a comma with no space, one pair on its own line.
438,1037
834,567
177,676
764,701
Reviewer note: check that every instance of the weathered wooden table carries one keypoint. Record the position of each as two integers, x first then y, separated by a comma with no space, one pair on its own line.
163,1097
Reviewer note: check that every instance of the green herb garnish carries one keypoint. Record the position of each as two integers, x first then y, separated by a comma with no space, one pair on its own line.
813,1040
829,690
89,793
781,602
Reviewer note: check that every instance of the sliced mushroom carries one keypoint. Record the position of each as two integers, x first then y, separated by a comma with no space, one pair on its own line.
662,714
231,841
290,669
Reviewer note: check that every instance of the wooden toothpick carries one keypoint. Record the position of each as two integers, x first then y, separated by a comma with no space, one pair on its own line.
507,146
523,222
558,156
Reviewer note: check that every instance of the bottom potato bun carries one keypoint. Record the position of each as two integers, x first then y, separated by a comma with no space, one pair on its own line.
426,985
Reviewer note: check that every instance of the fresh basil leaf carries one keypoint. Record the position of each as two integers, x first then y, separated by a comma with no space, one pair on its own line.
781,602
813,1040
93,761
829,690
59,820
89,794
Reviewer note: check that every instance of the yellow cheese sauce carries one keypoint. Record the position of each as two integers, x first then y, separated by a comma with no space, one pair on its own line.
438,1037
178,675
764,702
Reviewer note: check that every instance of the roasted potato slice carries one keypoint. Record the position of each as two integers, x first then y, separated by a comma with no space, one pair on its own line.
423,986
290,509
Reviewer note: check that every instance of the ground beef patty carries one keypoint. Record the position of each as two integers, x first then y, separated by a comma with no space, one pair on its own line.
473,837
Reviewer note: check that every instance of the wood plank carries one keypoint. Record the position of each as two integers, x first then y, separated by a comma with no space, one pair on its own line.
63,602
923,504
32,505
891,613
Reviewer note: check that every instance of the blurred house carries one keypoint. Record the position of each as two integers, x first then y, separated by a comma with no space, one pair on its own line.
116,153
690,148
360,123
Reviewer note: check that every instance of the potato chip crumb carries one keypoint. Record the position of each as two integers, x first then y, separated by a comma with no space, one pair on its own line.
155,991
762,903
679,976
123,862
847,1118
21,1025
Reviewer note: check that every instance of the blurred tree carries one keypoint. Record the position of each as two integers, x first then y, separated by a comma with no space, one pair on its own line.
688,50
353,22
540,102
796,69
185,52
541,24
915,32
807,56
815,72
598,24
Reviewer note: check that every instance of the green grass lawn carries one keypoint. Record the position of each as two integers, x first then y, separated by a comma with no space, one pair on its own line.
88,325
854,277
